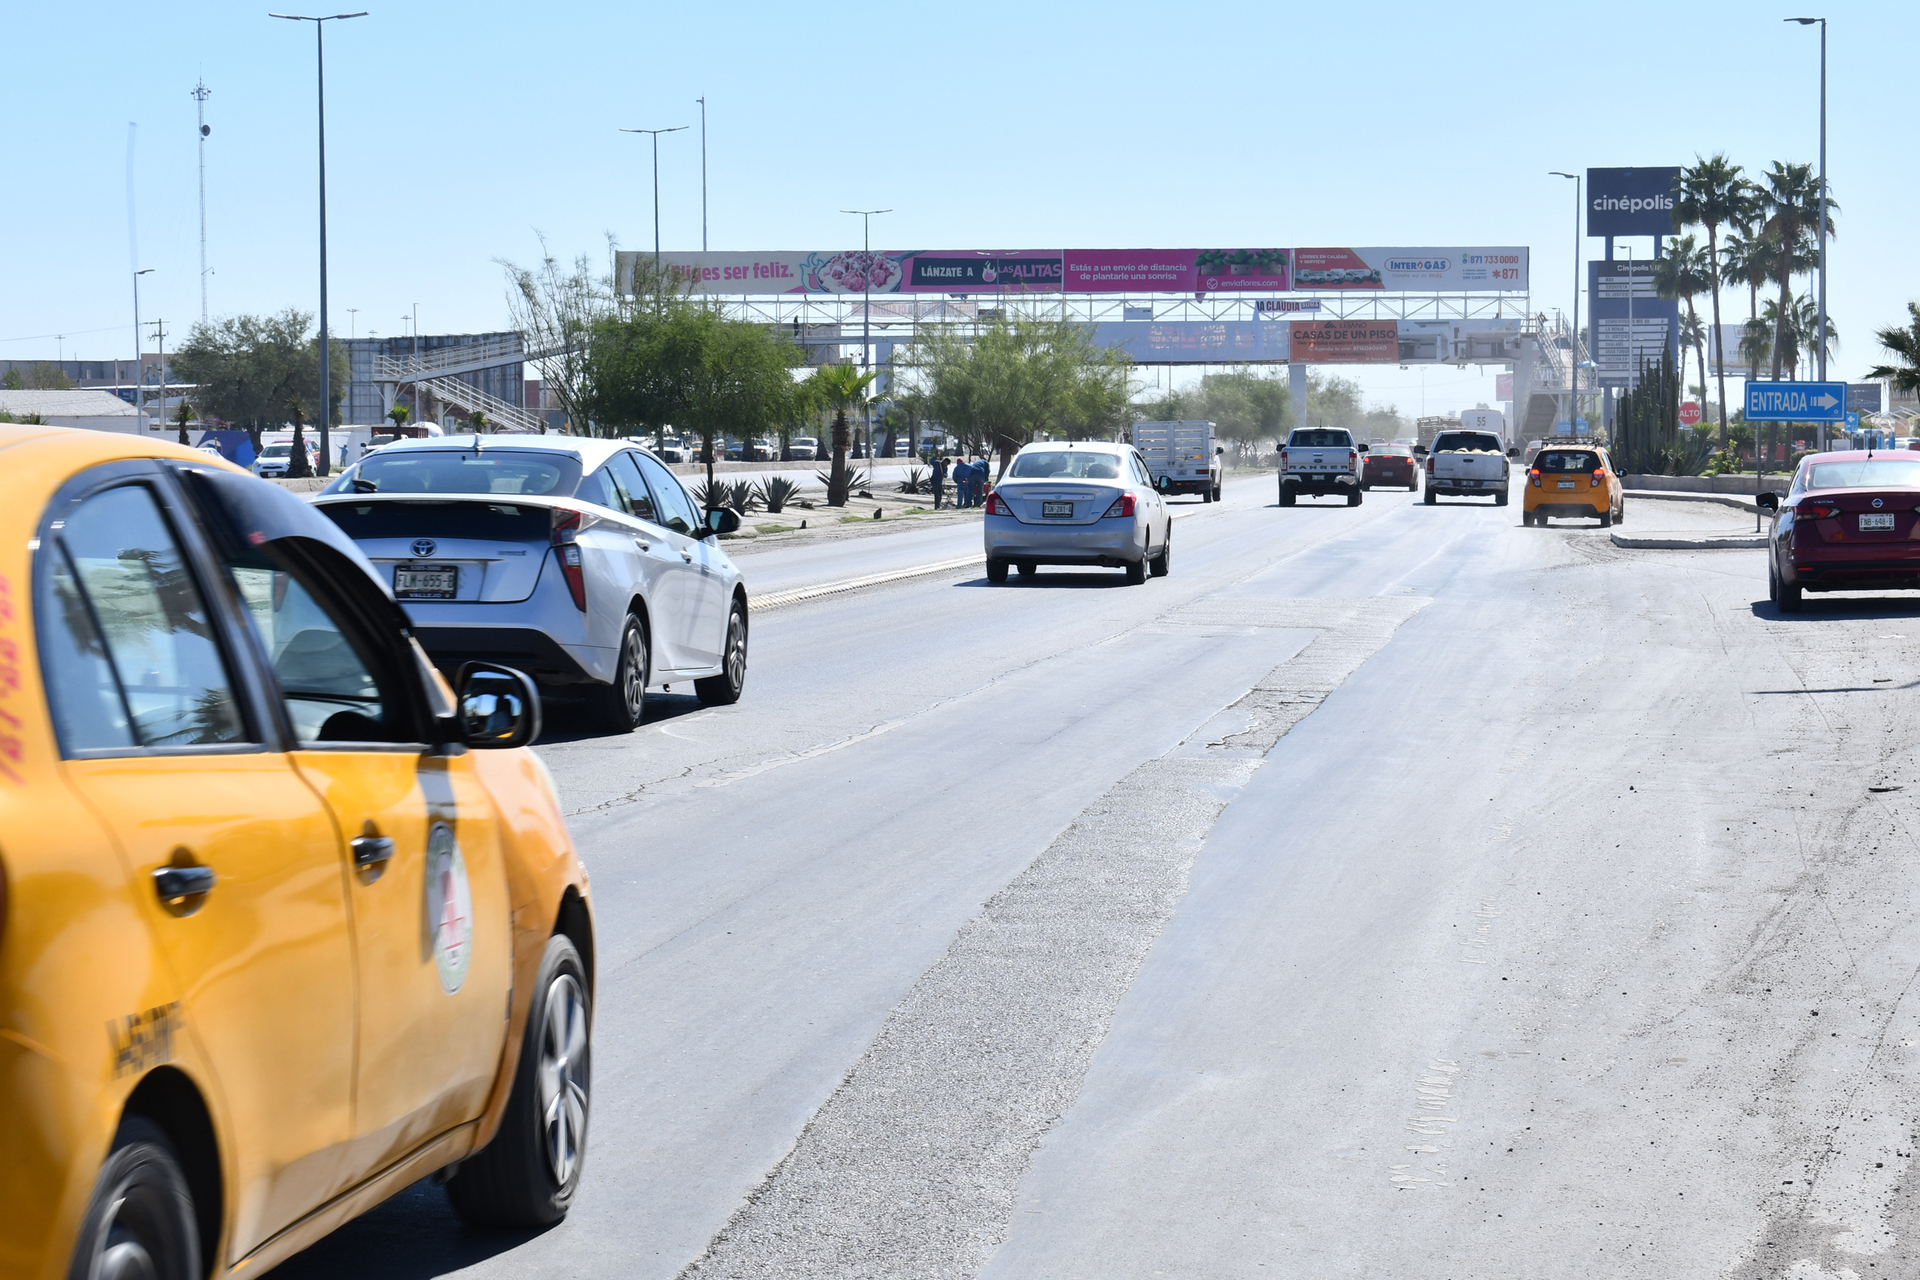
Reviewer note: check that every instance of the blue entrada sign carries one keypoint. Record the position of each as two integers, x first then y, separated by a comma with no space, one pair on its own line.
1796,401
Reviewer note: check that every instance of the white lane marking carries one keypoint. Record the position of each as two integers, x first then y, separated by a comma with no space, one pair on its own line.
800,595
1433,1094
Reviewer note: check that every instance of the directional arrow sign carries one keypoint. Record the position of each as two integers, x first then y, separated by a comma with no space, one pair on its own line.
1796,401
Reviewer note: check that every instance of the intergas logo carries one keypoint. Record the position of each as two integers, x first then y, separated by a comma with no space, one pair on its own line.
1419,264
1632,204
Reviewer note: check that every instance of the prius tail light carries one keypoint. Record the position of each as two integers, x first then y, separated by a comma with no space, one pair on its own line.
566,530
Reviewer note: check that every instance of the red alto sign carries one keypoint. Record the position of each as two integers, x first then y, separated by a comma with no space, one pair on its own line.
1689,414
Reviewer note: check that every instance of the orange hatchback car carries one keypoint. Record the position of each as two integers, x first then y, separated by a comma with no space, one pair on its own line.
286,924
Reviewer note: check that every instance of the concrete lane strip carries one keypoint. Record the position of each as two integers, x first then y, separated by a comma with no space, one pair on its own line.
800,595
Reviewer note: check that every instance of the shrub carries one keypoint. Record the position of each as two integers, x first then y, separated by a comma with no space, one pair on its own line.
916,481
777,492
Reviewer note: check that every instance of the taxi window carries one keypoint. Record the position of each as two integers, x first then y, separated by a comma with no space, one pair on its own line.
329,691
131,649
1564,462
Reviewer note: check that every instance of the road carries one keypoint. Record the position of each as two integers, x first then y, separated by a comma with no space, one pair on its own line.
1391,891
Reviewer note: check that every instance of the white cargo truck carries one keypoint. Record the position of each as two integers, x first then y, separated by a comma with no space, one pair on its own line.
1181,457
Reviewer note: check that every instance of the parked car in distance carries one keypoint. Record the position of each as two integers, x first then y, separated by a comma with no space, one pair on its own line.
1468,464
289,924
276,456
1077,504
805,449
1389,464
1572,481
582,562
1848,523
1318,461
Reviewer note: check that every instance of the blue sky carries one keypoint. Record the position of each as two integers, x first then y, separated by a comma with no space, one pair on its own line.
455,132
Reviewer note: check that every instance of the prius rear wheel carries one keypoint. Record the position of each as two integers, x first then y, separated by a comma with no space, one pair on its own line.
527,1175
620,706
724,689
139,1223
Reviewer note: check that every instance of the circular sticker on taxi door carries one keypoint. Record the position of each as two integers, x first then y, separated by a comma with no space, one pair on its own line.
449,907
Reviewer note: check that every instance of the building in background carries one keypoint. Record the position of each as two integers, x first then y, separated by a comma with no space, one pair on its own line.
373,359
93,409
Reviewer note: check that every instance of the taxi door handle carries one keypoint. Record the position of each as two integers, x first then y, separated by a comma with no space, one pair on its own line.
172,883
371,851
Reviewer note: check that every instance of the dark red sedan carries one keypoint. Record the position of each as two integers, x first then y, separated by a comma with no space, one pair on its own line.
1850,522
1389,464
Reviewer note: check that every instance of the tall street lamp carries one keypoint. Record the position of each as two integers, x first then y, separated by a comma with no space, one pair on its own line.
703,172
139,363
655,134
320,67
866,311
1573,353
1820,353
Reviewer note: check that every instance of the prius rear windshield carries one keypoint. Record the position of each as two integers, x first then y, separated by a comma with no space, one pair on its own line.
1066,464
1901,473
504,471
1560,460
1304,439
482,521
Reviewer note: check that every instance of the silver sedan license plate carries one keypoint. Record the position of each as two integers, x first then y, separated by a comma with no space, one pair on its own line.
426,581
1056,510
1876,522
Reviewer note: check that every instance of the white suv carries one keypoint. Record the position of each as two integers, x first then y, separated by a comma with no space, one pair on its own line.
581,562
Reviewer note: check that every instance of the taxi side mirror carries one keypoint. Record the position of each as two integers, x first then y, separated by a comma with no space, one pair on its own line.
497,706
1768,502
722,520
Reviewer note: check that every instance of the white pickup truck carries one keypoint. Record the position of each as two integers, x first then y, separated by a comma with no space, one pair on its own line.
1180,456
1467,464
1319,461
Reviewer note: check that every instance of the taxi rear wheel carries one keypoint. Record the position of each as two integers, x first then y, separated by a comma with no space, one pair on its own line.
139,1223
527,1175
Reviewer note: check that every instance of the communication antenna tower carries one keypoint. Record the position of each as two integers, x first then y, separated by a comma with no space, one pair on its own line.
200,92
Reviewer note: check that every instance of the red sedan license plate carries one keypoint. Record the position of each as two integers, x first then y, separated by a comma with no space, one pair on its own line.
1876,522
426,581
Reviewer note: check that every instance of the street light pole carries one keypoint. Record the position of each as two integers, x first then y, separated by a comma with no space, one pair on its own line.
320,66
1573,353
1820,354
866,315
655,134
703,171
139,361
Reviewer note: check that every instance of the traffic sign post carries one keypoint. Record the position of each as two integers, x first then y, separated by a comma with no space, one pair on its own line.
1796,402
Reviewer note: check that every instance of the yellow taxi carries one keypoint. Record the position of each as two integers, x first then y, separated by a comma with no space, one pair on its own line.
1572,481
286,923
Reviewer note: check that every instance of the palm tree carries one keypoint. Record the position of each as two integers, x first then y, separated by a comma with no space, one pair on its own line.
1756,345
1791,202
1682,274
1805,321
843,387
297,467
1691,336
1904,343
1712,193
1786,344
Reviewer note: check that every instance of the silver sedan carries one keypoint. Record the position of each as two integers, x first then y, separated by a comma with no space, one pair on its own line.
1078,504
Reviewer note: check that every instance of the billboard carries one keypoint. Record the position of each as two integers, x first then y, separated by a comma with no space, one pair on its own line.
1419,270
1630,320
1177,270
977,271
1196,341
1631,202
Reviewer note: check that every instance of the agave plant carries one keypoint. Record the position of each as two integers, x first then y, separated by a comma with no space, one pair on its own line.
855,479
777,492
712,495
741,496
916,481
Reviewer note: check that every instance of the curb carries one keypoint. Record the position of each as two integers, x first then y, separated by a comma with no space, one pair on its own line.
1737,542
801,595
1658,495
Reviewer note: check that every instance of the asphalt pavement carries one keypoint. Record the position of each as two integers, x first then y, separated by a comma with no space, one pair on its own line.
1388,891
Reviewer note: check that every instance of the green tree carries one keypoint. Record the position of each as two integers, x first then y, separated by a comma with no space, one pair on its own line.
249,367
1712,194
399,414
1904,343
1791,202
45,375
1685,273
842,387
297,466
13,381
